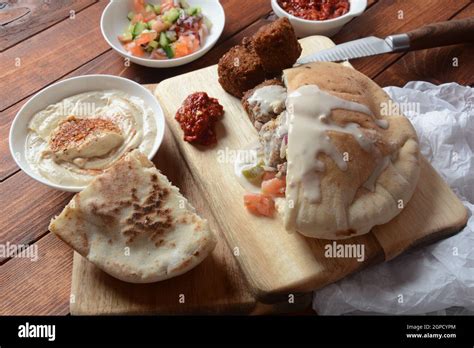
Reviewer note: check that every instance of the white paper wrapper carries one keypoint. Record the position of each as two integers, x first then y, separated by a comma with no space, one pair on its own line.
438,279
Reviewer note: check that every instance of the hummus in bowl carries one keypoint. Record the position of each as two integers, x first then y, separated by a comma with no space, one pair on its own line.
66,135
72,141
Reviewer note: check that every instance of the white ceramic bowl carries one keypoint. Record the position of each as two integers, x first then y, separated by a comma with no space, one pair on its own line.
66,88
114,21
329,27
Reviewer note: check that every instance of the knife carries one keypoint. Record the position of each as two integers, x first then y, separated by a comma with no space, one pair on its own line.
432,35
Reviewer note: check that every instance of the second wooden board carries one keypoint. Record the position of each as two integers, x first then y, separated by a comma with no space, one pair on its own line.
274,261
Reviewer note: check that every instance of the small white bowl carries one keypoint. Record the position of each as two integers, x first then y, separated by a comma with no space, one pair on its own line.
114,21
67,88
329,27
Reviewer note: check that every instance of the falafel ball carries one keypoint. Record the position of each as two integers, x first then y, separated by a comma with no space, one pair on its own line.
240,70
265,105
277,46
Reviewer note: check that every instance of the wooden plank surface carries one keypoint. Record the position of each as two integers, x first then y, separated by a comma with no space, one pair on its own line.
40,287
388,17
22,19
80,35
27,208
273,260
436,65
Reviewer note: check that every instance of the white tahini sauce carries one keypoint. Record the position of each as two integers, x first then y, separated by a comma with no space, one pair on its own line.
309,111
379,168
381,123
268,99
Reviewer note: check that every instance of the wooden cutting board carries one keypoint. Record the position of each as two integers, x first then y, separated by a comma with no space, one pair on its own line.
273,260
280,268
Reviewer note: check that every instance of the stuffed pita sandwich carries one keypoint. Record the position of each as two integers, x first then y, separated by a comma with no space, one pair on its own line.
334,163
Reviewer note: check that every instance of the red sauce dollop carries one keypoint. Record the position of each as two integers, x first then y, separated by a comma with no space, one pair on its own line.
197,117
315,9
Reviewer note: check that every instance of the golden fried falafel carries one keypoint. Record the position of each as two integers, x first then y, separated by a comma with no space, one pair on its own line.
277,46
273,48
240,70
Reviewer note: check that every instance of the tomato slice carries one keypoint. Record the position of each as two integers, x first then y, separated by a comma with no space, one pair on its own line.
137,18
268,175
139,6
274,187
180,49
145,38
261,205
186,45
134,49
148,16
166,5
159,26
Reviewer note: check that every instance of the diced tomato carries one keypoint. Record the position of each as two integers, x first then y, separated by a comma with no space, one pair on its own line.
195,43
274,187
139,6
180,49
148,16
135,49
159,26
167,5
156,54
137,18
145,38
261,205
186,45
268,176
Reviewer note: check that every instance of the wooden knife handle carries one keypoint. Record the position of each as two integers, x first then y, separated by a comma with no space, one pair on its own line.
442,34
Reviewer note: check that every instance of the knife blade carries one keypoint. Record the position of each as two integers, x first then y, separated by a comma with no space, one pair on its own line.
368,46
433,35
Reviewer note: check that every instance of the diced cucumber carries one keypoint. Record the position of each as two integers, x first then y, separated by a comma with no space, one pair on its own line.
184,4
149,49
139,27
130,15
153,44
157,9
171,15
254,174
195,10
171,35
164,42
151,23
126,37
169,51
149,8
130,28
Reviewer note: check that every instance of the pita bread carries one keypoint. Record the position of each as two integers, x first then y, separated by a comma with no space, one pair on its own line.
134,224
346,207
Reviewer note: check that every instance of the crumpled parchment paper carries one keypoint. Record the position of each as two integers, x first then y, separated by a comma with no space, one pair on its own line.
437,279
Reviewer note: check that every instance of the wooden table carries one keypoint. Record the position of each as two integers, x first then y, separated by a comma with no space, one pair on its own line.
45,41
